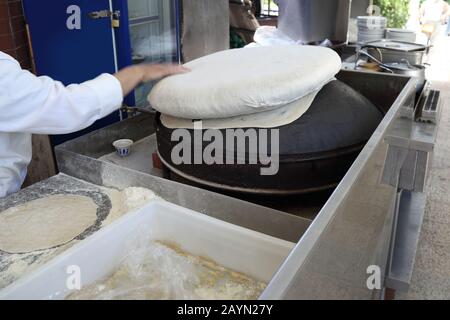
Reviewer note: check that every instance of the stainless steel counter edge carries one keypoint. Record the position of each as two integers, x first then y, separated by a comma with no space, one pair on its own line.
284,278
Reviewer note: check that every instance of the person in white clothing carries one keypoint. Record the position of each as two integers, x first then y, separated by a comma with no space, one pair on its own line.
39,105
433,11
433,14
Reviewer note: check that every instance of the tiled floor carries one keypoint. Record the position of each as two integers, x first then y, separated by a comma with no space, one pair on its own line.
431,277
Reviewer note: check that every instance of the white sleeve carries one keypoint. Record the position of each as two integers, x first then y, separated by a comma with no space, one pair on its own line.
40,105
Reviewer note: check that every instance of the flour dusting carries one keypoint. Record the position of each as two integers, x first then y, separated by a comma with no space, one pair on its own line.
137,198
15,266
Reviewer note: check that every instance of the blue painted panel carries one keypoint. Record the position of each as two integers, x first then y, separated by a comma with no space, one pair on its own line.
74,56
71,56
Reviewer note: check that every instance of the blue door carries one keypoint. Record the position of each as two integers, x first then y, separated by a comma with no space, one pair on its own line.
73,41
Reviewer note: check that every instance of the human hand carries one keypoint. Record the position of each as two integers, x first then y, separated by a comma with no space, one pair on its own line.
133,76
150,72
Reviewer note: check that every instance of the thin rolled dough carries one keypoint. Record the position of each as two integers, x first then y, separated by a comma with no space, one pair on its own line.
45,223
268,119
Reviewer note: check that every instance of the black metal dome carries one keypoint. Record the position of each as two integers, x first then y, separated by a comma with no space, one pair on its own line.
316,150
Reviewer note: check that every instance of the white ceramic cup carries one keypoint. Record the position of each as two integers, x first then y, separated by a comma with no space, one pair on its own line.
123,147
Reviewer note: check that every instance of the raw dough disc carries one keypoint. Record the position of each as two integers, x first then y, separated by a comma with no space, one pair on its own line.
268,119
45,223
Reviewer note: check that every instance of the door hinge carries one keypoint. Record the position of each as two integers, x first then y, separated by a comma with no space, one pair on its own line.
100,14
114,16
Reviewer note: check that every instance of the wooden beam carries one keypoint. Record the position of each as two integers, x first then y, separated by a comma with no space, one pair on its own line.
43,165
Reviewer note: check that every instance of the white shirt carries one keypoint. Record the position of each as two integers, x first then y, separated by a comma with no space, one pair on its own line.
40,105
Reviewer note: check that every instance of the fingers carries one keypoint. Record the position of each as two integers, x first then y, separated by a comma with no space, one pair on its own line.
158,71
168,70
179,69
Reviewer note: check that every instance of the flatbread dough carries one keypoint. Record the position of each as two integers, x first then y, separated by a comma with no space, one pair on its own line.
45,223
245,81
268,119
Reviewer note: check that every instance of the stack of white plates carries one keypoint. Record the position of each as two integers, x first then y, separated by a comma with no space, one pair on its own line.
401,35
371,28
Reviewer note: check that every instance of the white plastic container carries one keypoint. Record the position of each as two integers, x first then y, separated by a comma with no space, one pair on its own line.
97,257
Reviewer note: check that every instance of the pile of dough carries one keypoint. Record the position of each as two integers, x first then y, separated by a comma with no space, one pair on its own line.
240,82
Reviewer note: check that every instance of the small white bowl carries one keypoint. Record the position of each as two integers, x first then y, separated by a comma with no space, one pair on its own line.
123,147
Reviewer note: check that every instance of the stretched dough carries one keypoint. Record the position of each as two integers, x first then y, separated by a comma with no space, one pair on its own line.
245,81
268,119
45,223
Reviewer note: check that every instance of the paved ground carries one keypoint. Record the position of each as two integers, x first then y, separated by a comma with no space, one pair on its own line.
431,278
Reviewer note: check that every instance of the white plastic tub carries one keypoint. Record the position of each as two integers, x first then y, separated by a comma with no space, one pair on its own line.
237,248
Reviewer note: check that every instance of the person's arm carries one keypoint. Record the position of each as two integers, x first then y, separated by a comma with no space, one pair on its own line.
41,105
131,77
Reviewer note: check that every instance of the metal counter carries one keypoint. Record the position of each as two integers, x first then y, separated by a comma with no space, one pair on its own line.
354,230
358,227
81,159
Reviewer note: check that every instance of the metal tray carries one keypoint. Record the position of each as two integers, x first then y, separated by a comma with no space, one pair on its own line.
396,45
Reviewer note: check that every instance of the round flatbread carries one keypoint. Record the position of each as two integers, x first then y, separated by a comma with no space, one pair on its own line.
45,223
267,119
245,81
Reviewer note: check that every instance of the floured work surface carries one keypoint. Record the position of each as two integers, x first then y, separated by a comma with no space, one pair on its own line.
101,206
46,223
154,270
